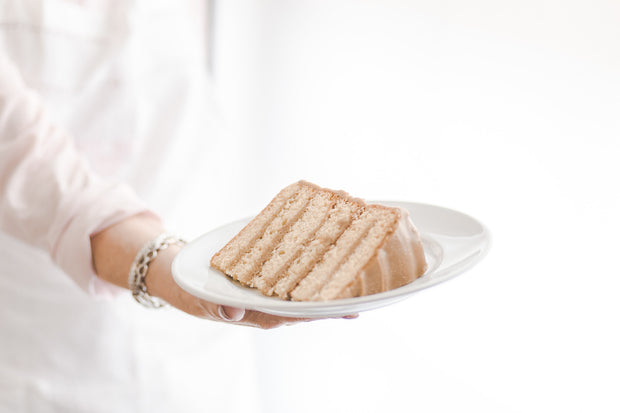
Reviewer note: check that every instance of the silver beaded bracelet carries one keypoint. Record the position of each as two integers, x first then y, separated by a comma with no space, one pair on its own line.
140,266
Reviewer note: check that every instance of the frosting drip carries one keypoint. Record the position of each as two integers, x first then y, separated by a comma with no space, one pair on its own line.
399,261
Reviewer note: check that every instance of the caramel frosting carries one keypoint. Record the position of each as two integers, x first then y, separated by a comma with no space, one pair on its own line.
399,261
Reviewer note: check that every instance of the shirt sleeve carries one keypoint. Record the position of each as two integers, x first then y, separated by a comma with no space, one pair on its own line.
49,196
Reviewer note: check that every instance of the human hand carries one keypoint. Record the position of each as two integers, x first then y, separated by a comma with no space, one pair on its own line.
161,284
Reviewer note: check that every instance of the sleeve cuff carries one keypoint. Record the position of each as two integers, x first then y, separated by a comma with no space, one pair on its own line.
73,251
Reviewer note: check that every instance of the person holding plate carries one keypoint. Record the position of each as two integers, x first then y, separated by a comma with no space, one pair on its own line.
98,102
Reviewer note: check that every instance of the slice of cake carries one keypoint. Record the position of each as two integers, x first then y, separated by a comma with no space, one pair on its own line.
312,244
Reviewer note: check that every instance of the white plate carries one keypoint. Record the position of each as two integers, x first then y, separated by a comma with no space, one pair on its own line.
453,242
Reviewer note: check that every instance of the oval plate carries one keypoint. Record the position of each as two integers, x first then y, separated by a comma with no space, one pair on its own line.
453,242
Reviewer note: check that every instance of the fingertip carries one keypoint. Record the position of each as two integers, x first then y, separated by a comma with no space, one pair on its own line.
351,316
231,313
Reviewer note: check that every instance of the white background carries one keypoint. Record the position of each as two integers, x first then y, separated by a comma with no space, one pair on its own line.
507,111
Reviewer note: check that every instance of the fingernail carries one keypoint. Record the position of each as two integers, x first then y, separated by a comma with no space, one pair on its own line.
231,313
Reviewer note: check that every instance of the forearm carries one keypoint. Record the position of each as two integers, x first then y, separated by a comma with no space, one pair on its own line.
114,248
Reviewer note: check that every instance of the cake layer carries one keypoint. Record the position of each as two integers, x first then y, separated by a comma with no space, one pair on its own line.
349,270
339,219
312,243
334,257
251,262
291,246
231,252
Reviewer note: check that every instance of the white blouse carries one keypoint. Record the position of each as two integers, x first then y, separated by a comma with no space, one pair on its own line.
99,100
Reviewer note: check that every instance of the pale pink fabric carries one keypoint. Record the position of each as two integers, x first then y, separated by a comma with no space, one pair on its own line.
49,197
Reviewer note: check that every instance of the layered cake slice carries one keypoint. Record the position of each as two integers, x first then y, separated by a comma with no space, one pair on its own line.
313,244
